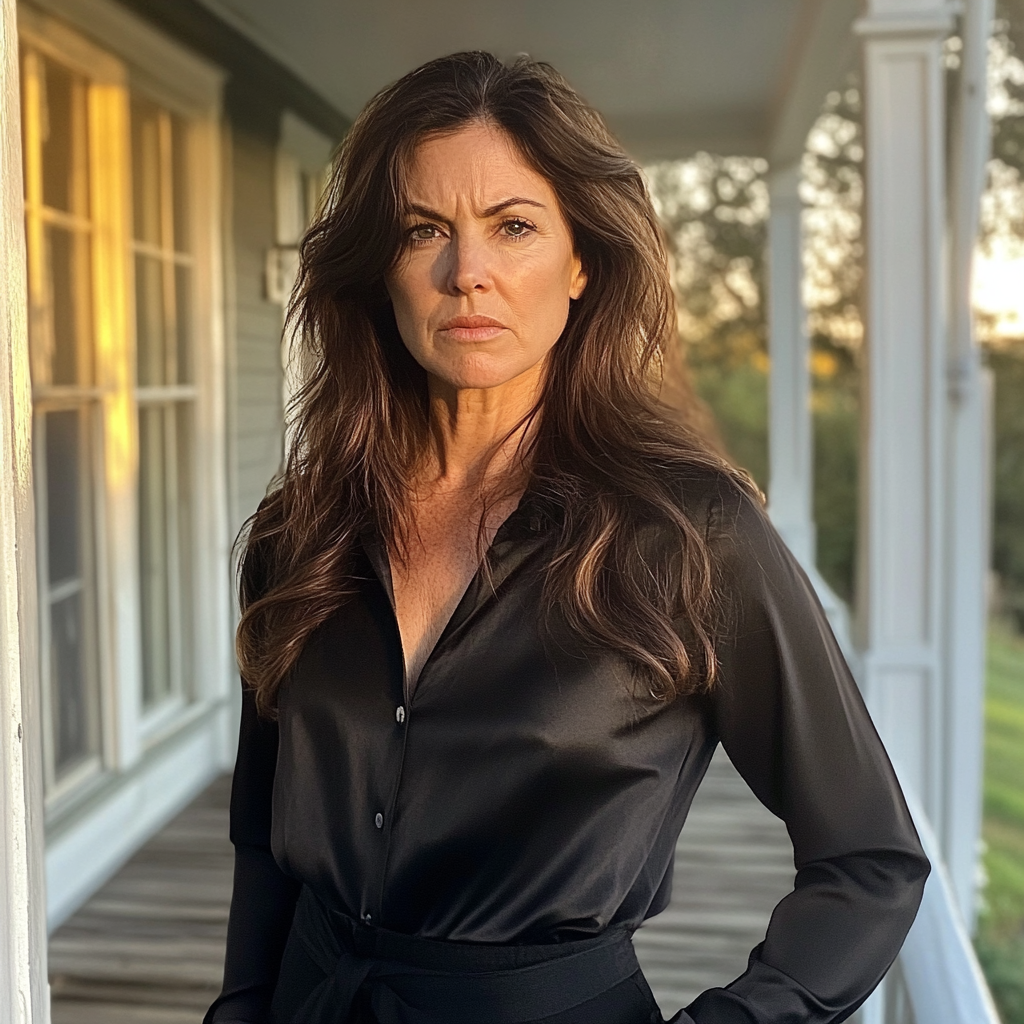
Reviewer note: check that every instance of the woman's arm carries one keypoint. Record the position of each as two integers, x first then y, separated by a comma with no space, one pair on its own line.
792,720
263,898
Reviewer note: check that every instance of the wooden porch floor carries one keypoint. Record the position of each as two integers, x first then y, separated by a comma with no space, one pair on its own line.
148,947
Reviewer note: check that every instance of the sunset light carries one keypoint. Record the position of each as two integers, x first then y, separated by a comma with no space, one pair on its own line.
998,294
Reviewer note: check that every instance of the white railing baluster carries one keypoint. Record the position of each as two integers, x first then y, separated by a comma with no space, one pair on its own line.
942,973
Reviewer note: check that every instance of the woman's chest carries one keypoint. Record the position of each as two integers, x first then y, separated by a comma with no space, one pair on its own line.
501,684
513,741
443,553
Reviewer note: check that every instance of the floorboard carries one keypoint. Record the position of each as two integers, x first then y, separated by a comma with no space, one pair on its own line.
148,948
734,862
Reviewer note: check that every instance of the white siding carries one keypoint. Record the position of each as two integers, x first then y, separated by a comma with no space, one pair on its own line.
255,388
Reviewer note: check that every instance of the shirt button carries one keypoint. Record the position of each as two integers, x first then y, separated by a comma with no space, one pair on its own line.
399,714
379,820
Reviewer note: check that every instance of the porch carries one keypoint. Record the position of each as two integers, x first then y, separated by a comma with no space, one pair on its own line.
149,946
196,133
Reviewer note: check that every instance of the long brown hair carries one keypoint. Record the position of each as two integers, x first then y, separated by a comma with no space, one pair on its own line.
604,454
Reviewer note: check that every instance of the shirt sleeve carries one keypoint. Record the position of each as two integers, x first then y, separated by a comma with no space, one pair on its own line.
263,897
791,718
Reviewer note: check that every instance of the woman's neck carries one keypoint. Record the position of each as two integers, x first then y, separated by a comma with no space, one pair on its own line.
477,434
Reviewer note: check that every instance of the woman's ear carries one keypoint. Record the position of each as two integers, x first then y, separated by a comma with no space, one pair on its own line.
579,279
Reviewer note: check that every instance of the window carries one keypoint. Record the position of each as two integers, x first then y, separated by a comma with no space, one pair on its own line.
127,445
61,236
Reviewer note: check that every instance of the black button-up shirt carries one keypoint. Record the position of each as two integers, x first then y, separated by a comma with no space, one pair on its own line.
525,793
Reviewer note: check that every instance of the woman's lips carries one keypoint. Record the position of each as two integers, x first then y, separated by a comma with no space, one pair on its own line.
472,328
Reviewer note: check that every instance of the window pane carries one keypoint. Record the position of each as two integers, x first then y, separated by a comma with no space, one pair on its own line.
150,321
153,540
67,589
69,277
165,546
180,183
64,480
183,322
64,135
146,166
74,729
185,511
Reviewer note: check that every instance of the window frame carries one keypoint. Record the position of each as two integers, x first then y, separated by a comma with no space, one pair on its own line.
134,59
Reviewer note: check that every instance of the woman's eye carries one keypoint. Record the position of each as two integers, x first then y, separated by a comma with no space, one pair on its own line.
517,228
424,233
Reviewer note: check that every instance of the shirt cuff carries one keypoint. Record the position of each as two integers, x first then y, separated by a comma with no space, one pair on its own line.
719,1006
243,1006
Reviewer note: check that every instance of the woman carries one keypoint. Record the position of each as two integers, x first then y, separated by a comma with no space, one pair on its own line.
501,608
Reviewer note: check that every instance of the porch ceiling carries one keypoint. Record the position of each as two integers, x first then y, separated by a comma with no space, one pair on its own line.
670,76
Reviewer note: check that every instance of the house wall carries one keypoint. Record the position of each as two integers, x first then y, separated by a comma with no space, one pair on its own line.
255,413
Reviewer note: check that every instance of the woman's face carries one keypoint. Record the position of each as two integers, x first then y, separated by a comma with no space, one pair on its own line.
481,291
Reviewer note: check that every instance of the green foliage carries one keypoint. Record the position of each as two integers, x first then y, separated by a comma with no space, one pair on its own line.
833,194
1008,127
1004,784
1004,969
739,398
1000,940
714,211
1008,476
836,424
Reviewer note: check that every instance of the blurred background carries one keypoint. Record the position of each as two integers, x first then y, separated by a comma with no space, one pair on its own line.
842,189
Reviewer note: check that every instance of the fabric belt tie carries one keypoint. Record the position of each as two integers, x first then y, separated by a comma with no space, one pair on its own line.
425,981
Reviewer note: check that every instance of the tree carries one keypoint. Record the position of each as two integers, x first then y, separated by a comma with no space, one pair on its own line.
715,213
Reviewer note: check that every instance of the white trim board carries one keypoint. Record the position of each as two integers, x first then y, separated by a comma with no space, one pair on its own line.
24,992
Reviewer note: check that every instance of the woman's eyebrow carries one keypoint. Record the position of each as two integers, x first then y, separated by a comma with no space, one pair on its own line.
497,208
491,211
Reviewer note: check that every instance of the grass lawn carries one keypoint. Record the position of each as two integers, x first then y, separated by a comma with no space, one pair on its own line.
1000,940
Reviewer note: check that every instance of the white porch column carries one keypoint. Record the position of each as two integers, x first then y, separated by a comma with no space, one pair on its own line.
968,498
901,572
790,437
24,993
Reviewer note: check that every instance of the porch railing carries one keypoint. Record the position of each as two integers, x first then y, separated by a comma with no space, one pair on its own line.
938,964
937,968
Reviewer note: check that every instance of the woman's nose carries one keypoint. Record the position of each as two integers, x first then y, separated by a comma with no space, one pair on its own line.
470,266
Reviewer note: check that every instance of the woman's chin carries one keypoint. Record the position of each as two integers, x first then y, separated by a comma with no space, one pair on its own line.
480,374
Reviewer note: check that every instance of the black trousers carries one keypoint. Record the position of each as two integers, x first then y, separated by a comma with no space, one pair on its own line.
339,971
